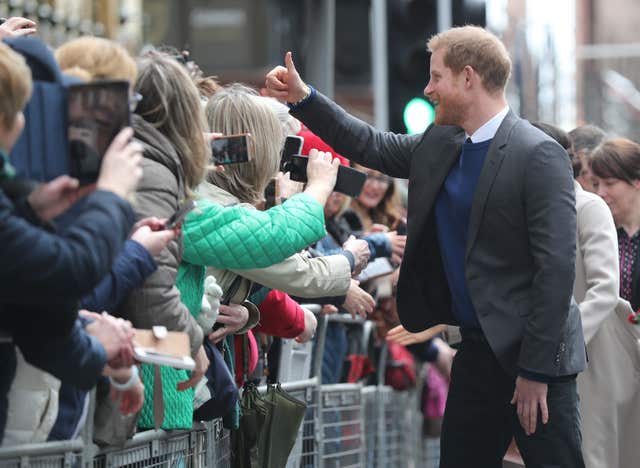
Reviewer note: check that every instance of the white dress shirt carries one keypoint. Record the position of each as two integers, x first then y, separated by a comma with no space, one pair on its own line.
489,129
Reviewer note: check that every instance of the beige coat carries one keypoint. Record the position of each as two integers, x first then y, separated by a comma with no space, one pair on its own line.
296,275
609,389
33,405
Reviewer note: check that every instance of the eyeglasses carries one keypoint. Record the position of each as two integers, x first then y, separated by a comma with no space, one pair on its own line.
134,100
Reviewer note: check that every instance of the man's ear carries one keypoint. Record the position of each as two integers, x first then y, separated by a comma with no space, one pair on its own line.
469,75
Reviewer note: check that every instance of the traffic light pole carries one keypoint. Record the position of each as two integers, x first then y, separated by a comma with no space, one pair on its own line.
445,15
379,64
322,31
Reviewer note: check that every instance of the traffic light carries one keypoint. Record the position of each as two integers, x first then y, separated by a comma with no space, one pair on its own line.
410,24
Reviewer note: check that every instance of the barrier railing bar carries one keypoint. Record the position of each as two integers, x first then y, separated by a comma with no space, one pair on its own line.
44,448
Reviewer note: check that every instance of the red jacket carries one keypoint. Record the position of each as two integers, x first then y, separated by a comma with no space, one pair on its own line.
280,316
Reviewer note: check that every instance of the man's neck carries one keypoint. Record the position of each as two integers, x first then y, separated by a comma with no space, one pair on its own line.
484,109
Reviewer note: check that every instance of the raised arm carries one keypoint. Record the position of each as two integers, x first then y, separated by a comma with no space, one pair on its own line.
384,151
239,237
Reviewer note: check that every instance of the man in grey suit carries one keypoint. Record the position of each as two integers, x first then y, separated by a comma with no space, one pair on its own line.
490,247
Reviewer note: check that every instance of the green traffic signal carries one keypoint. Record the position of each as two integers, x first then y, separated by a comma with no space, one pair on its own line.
418,115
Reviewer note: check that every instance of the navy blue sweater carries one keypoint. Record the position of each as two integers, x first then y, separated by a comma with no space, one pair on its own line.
453,208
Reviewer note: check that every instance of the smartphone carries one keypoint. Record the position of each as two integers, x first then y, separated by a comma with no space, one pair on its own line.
231,149
178,217
270,194
96,113
292,145
401,228
350,181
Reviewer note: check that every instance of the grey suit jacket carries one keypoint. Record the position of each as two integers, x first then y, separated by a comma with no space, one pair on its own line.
522,233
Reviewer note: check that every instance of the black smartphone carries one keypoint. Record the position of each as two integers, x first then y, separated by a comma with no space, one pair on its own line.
231,149
350,181
96,113
292,145
178,217
401,228
270,194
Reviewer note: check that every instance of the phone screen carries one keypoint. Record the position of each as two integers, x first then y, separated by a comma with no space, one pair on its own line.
231,149
97,113
292,145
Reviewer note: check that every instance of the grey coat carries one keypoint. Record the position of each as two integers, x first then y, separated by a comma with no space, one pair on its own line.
521,248
159,193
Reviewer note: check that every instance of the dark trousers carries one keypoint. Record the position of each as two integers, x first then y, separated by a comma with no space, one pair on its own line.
479,420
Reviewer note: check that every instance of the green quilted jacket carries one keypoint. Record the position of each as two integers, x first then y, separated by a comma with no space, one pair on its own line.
228,237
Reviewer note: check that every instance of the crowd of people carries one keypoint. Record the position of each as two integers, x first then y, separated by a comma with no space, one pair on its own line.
494,235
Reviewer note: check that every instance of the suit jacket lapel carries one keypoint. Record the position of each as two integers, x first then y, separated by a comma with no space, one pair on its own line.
427,183
488,174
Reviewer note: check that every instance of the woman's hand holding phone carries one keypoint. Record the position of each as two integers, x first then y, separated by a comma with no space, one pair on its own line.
208,138
154,240
322,173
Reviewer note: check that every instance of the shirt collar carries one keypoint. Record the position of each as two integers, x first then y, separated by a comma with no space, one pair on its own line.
490,128
624,235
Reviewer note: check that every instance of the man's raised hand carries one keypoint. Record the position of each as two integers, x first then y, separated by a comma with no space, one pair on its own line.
285,82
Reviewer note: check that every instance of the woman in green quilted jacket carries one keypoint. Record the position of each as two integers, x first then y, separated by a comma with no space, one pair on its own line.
240,238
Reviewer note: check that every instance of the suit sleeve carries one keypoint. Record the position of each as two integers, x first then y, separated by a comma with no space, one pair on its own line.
358,141
549,202
598,245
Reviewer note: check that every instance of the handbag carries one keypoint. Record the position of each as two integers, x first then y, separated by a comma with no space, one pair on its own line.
280,432
269,425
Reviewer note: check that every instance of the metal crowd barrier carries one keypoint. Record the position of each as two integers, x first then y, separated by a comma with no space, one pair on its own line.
346,425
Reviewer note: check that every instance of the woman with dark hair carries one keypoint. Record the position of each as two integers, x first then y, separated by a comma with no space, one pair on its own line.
607,417
616,167
378,203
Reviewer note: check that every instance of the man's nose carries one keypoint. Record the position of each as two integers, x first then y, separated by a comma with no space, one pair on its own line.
428,89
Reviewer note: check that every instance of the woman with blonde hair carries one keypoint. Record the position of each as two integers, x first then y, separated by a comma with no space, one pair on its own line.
95,58
238,109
